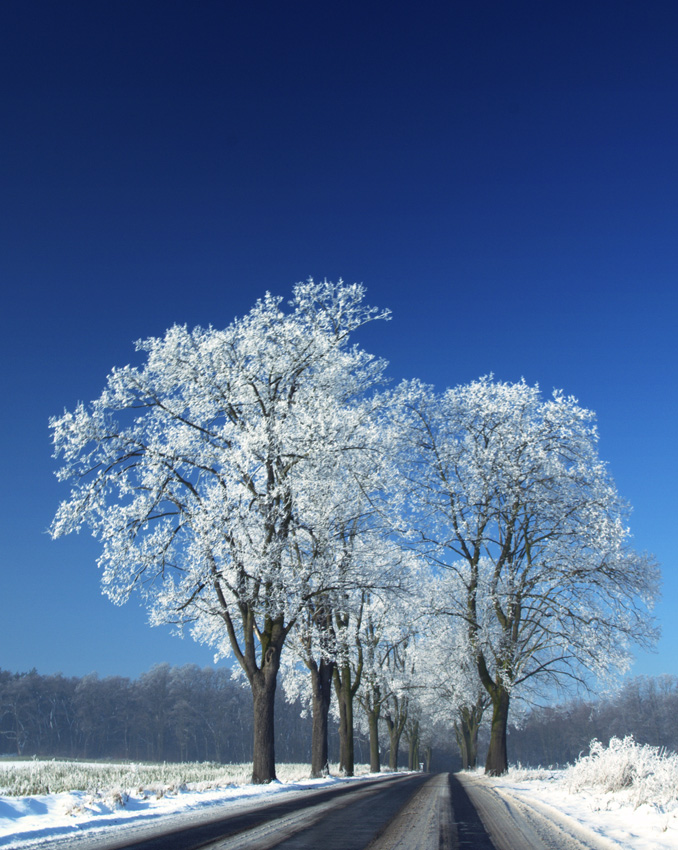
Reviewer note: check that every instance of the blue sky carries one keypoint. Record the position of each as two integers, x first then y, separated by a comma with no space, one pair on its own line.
503,176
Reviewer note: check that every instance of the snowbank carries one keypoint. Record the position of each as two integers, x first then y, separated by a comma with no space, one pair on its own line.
625,792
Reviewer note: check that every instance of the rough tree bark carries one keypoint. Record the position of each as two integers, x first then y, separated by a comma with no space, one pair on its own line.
373,724
496,763
345,691
321,684
263,697
263,678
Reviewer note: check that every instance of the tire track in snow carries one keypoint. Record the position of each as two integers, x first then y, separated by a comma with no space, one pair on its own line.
513,823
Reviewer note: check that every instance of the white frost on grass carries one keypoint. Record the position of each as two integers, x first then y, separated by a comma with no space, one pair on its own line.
626,793
106,798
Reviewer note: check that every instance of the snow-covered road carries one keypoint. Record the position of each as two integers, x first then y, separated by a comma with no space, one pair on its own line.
347,816
397,812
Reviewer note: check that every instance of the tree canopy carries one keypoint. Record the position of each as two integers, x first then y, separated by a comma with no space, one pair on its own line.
206,474
512,504
258,488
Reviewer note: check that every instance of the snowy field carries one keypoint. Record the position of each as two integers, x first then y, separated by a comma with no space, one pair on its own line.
626,793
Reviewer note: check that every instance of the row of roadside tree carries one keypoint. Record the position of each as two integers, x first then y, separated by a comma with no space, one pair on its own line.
425,555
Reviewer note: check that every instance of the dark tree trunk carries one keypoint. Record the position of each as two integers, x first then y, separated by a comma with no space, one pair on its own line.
413,749
344,691
373,723
497,759
321,683
395,731
263,756
465,744
394,744
413,754
466,732
263,679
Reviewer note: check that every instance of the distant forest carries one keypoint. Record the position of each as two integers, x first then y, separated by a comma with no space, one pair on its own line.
193,714
167,714
644,707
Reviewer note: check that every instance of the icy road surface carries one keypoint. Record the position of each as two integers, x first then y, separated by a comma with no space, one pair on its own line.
410,812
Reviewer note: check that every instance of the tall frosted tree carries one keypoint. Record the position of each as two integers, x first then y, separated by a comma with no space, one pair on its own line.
509,498
201,470
329,638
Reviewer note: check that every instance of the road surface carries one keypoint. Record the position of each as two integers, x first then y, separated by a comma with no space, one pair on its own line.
402,812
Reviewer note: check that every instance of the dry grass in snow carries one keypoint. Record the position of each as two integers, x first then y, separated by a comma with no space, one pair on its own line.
30,778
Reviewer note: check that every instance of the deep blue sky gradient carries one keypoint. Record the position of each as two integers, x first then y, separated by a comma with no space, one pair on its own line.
502,175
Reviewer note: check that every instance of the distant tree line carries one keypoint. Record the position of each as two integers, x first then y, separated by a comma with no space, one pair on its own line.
167,714
193,714
645,707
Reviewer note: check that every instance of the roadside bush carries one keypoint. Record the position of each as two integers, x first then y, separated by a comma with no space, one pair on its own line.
647,774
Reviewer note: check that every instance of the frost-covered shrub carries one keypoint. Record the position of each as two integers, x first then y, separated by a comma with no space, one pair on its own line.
647,774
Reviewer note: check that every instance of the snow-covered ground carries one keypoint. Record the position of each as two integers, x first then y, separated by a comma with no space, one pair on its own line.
43,819
625,793
644,828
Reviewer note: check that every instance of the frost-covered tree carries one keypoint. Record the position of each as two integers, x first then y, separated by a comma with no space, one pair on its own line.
307,671
451,689
347,675
200,472
387,640
395,709
366,623
376,646
509,496
362,559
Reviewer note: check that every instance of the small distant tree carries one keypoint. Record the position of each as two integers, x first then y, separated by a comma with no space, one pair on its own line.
381,560
312,645
200,471
347,677
374,687
367,624
509,497
401,667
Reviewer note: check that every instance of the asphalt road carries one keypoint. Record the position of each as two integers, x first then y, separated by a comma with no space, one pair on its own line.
411,812
344,818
